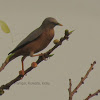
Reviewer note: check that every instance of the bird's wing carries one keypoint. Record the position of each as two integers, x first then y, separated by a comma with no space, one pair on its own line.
31,37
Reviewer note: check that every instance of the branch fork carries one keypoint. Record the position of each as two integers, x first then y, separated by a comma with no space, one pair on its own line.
72,92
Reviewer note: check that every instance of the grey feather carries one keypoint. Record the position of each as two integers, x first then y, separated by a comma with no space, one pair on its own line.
31,37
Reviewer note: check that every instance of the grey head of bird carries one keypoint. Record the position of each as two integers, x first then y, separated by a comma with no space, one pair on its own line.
50,23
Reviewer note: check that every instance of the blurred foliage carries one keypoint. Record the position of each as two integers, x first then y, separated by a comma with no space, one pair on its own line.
4,27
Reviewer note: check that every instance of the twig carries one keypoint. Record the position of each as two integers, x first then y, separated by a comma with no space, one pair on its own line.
92,95
40,59
81,81
83,78
70,87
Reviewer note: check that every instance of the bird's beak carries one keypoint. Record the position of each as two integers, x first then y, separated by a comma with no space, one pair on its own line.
60,24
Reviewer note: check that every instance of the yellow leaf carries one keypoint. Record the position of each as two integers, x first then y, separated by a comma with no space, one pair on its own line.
4,27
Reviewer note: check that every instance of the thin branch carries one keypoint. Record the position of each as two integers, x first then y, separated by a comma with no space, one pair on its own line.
83,78
40,59
71,93
70,89
92,95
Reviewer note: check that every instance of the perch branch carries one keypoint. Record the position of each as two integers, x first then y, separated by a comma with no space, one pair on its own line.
40,59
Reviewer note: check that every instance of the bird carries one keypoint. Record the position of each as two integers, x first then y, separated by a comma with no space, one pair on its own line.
35,42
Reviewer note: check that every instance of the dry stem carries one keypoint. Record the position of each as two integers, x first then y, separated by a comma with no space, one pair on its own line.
71,93
92,95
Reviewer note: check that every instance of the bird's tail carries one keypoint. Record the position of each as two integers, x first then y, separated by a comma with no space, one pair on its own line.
8,59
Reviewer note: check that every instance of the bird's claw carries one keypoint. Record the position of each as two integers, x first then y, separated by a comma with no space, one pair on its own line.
43,56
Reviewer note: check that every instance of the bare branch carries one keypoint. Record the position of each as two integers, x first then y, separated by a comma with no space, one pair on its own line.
83,78
70,90
71,93
92,95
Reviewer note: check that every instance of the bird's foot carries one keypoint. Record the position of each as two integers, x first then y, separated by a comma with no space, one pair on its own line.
43,56
40,55
21,72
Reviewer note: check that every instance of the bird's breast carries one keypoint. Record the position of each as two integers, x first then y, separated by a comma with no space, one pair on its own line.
44,40
40,43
